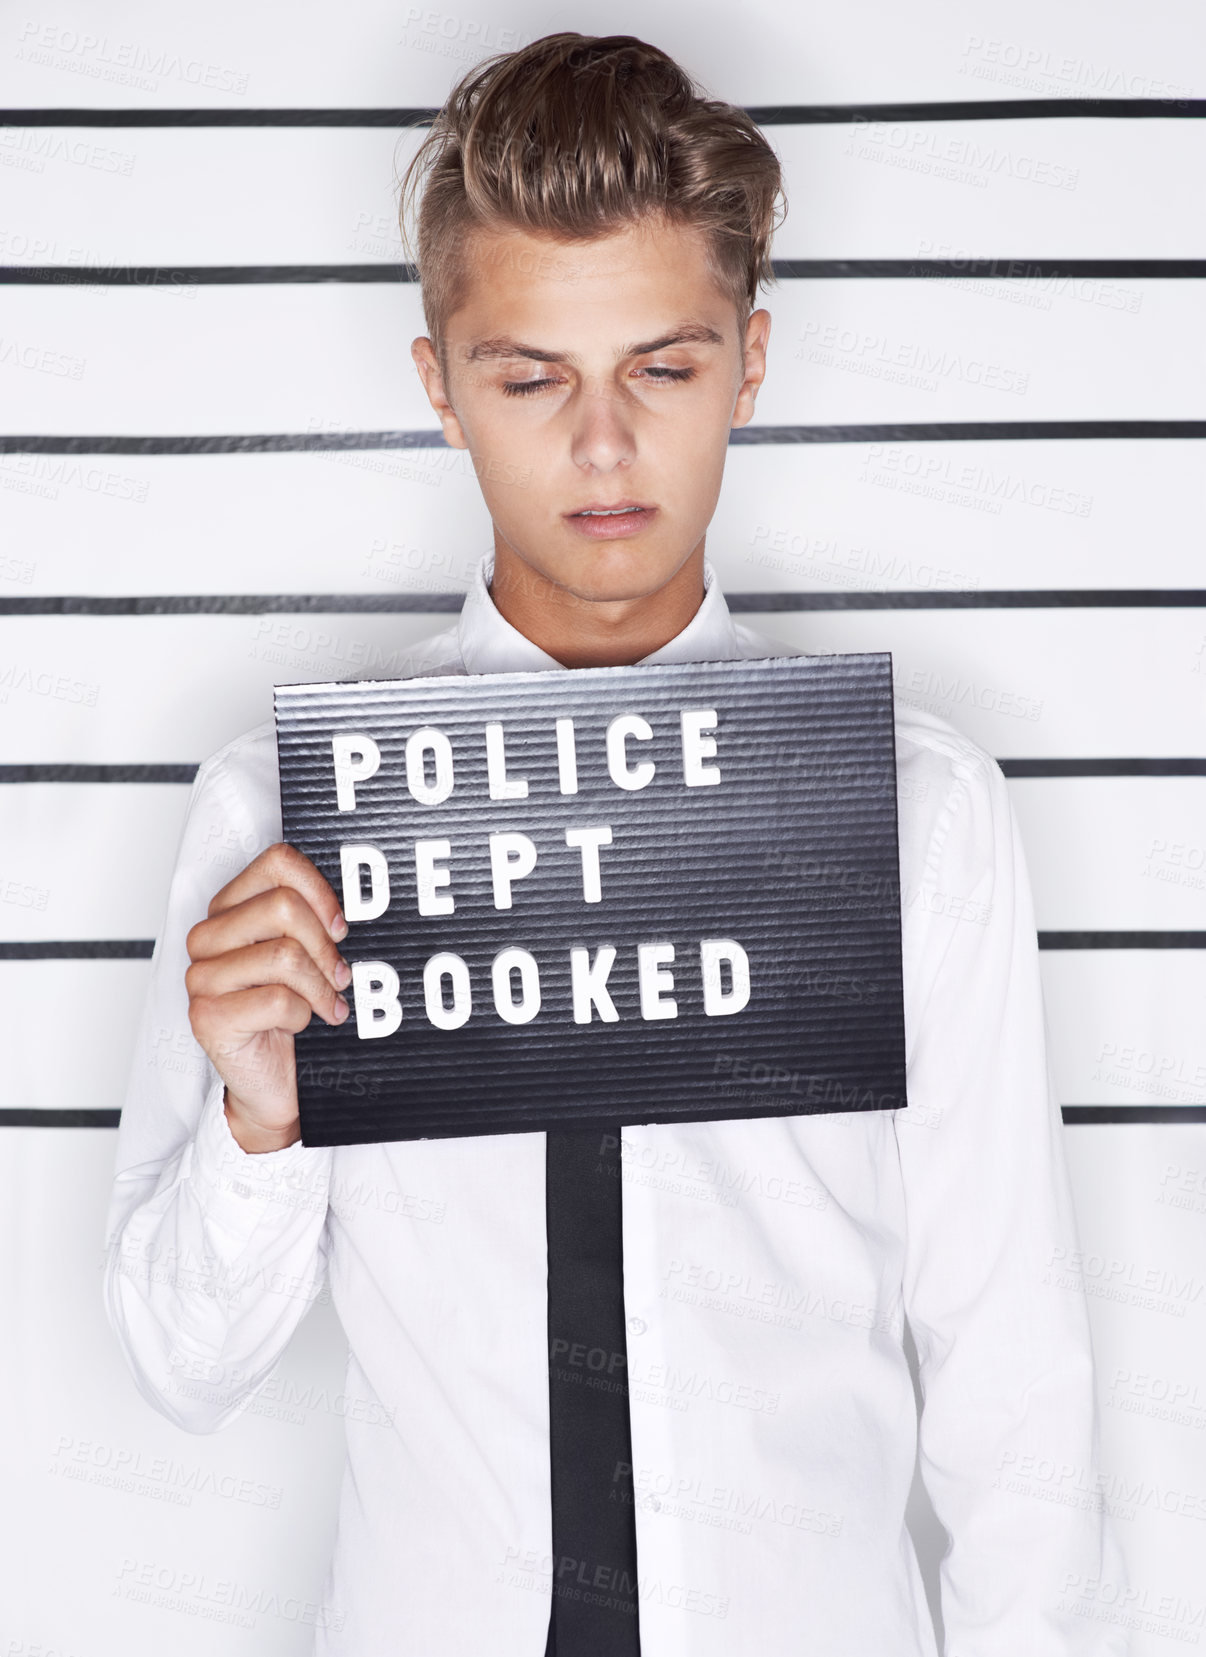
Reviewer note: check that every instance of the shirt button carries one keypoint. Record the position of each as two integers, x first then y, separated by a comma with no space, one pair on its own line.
637,1326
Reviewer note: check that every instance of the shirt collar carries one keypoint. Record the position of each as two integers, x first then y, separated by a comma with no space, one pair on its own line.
489,644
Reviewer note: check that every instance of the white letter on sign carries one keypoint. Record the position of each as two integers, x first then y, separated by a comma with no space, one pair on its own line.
512,856
351,860
420,743
502,787
350,770
621,728
437,969
428,877
589,840
567,757
505,962
589,984
650,959
697,747
375,988
712,951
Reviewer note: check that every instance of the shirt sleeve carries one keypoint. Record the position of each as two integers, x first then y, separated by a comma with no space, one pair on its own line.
1008,1435
212,1254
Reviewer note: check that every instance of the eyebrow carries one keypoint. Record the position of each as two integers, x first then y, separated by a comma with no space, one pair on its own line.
502,345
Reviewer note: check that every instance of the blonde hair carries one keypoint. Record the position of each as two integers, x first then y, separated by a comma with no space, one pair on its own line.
575,136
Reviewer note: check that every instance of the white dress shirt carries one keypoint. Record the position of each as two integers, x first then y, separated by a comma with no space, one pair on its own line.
769,1267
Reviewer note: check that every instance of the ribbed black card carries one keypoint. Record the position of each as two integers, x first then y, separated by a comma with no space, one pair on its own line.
767,822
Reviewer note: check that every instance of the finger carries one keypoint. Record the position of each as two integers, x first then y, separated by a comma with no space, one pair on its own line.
222,1021
281,960
283,865
279,912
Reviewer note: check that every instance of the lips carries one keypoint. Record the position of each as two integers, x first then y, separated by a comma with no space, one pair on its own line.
608,508
610,520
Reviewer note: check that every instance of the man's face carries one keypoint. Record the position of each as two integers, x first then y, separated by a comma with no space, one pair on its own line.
572,382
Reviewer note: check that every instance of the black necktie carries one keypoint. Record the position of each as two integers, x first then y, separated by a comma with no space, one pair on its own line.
595,1607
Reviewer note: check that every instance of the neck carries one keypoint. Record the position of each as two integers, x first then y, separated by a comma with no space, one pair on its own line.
583,632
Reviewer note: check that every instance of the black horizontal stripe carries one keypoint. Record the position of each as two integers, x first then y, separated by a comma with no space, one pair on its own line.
966,431
233,604
1074,1115
1096,766
950,431
979,109
445,603
70,772
17,1118
170,276
140,949
998,268
1021,598
78,949
315,117
1083,1114
765,115
223,444
1122,940
1104,766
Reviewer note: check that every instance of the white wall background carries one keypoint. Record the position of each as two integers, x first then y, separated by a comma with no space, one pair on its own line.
1114,850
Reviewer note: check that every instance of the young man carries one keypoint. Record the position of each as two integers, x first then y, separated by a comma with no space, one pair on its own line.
592,235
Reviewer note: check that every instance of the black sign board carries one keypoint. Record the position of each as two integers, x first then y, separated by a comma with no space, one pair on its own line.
597,896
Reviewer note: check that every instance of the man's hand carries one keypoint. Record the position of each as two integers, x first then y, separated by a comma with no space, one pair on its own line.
262,962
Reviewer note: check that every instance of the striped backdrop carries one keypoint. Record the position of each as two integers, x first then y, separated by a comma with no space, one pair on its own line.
979,446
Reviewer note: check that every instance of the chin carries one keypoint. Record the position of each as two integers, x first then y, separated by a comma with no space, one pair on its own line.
616,588
610,572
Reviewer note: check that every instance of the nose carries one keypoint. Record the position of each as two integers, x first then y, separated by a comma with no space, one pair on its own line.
603,434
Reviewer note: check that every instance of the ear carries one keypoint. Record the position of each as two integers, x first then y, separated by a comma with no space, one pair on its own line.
432,375
757,333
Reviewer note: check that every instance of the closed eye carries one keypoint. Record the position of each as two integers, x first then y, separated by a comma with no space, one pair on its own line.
522,388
